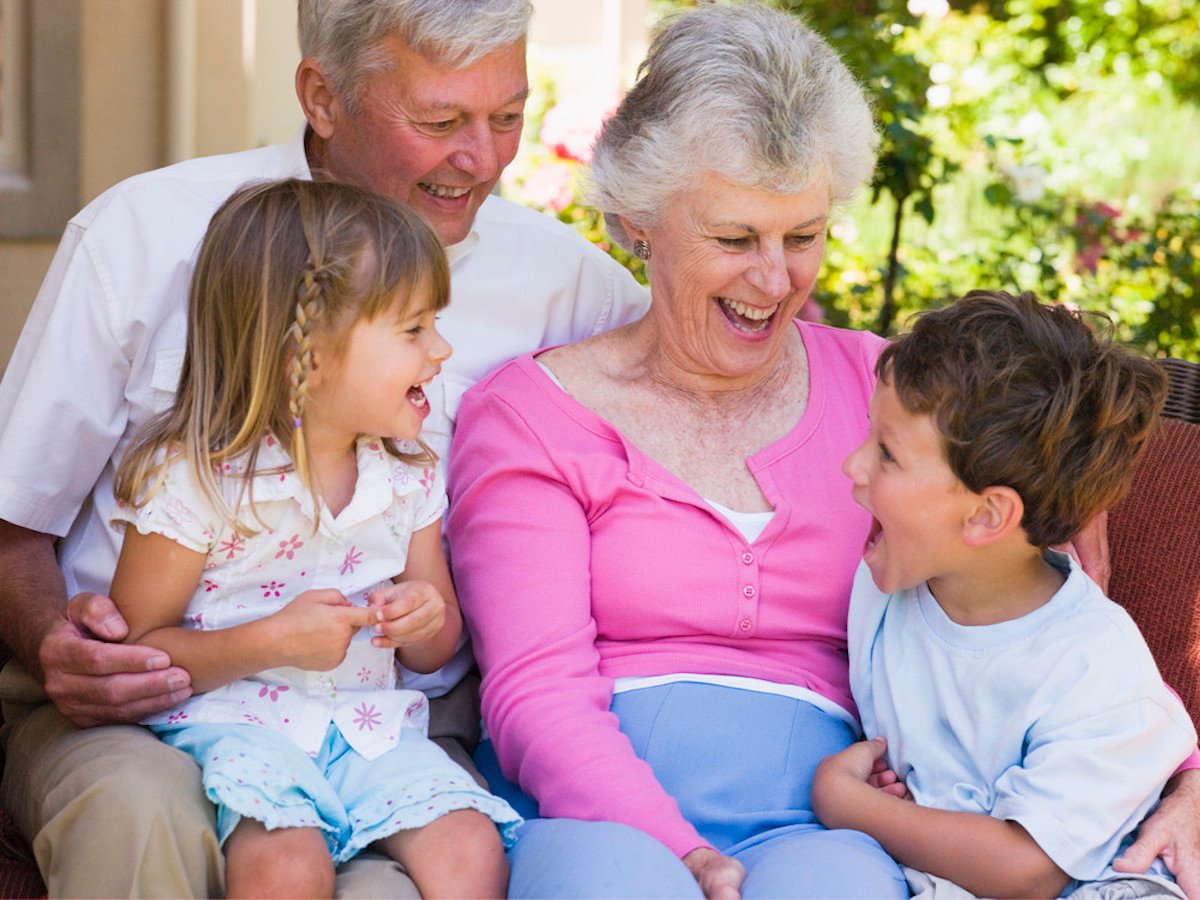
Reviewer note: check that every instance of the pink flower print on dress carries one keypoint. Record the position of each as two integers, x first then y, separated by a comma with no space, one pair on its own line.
415,707
367,717
273,691
364,674
289,547
253,719
353,558
272,589
210,585
232,546
178,513
176,717
428,477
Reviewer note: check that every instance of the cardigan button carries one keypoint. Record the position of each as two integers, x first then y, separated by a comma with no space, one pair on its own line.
745,624
748,590
747,557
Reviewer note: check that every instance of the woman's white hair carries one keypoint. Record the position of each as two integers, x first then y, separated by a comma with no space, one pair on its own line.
745,91
344,36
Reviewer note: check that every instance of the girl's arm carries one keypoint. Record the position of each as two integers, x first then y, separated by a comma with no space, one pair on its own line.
155,579
420,615
986,856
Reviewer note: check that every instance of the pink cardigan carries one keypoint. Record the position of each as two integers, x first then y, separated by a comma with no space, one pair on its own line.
579,560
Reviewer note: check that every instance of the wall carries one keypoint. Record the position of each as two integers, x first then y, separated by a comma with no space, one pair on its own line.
165,80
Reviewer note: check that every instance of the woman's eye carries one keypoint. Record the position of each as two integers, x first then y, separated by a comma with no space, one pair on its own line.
734,242
801,241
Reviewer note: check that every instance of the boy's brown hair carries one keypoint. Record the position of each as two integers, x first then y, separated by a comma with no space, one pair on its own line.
1030,396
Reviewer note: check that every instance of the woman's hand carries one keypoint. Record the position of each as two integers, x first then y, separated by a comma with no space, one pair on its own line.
720,877
1172,831
315,628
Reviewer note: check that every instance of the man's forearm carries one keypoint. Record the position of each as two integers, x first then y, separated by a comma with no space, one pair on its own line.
33,594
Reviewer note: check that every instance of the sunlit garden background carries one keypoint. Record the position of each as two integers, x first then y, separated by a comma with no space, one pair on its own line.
1027,145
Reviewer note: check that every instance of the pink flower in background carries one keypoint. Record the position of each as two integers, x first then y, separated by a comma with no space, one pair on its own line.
570,128
551,185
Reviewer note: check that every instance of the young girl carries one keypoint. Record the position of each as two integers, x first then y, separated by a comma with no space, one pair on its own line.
287,548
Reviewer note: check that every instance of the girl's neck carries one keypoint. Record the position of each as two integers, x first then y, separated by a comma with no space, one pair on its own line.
333,465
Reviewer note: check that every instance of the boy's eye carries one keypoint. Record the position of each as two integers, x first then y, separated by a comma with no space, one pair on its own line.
415,330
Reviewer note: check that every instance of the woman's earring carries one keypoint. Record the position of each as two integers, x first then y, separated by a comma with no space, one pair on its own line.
641,249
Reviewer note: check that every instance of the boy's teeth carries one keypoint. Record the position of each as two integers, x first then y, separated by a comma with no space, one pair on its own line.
749,312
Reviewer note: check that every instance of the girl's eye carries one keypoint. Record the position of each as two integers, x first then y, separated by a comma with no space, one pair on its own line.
885,454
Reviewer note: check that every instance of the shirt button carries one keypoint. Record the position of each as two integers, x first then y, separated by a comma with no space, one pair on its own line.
747,557
749,591
745,624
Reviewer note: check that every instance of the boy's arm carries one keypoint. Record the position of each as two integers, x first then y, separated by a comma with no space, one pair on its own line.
986,856
155,580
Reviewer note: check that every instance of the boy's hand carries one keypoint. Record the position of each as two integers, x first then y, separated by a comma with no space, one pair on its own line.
315,628
407,614
883,778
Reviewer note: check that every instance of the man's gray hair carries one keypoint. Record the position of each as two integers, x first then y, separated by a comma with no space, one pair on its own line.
343,36
742,90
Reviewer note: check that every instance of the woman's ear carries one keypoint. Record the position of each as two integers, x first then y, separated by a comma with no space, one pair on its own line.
317,98
996,514
635,233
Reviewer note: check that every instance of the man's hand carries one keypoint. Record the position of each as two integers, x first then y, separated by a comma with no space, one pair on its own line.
1172,831
95,680
720,877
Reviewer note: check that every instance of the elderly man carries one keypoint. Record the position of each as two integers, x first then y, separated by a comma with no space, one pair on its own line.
419,99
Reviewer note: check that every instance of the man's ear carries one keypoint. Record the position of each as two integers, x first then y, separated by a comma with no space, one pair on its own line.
996,513
317,97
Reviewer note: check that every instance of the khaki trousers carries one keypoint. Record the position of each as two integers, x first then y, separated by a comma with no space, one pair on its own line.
113,812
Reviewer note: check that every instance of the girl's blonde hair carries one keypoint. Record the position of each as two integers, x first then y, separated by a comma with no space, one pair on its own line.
280,261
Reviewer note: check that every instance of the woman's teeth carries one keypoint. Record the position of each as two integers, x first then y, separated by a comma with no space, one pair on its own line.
748,318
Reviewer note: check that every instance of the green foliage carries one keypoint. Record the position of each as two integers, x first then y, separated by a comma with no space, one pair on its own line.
1045,145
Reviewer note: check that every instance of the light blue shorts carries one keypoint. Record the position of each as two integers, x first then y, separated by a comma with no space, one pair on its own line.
740,764
261,774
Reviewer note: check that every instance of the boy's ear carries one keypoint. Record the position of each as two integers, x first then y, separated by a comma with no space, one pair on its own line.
997,512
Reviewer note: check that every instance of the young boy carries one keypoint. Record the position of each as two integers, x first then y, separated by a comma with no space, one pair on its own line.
1019,705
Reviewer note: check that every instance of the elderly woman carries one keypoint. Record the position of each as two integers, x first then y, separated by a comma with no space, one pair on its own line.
652,537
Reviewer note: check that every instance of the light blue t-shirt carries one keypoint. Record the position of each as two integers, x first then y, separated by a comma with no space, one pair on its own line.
1058,720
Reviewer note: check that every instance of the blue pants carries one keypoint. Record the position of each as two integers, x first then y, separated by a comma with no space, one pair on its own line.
740,764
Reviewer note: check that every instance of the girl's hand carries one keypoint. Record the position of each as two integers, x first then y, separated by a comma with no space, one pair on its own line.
407,614
315,628
720,877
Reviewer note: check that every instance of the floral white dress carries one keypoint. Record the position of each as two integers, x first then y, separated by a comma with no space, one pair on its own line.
250,576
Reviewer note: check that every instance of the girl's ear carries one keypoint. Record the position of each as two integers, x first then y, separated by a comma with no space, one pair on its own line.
997,513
